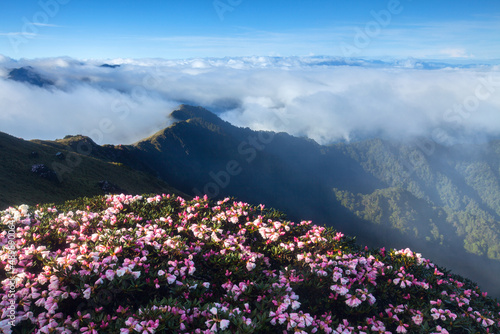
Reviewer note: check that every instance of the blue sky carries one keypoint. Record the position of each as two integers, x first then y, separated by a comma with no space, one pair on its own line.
218,28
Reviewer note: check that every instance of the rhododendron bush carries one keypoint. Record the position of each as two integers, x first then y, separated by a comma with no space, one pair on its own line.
162,264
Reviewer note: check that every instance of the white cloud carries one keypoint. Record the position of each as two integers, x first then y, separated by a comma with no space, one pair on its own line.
316,97
455,53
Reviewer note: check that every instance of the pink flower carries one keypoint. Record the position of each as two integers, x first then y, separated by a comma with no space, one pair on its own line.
401,328
486,322
441,330
417,319
340,289
352,301
110,274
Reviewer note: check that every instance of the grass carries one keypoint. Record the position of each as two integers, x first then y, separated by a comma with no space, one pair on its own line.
78,175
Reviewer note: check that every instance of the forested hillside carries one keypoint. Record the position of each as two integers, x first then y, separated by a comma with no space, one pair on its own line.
451,193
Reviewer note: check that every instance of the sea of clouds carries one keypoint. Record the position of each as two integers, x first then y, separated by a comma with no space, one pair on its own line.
324,98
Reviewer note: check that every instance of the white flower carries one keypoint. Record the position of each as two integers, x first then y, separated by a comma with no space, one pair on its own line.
224,324
295,305
340,289
24,209
120,272
250,266
86,293
171,278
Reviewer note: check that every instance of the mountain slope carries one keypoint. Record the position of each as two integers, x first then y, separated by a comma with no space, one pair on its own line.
462,182
203,154
442,201
63,173
437,203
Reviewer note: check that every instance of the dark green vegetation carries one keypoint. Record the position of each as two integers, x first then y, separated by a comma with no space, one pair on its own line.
71,174
447,194
441,201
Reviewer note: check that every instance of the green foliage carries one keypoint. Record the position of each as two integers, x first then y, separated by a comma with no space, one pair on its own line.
160,264
440,195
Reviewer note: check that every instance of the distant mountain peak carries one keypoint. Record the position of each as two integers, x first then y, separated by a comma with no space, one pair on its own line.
29,75
77,141
185,112
110,65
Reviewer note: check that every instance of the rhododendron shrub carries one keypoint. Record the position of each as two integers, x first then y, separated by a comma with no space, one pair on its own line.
162,264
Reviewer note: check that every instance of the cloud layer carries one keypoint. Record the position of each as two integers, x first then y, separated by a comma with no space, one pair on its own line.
325,99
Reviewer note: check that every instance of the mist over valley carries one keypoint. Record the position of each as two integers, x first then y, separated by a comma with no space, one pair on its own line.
327,99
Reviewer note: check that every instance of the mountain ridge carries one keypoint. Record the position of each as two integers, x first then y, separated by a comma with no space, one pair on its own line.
29,75
435,205
70,171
